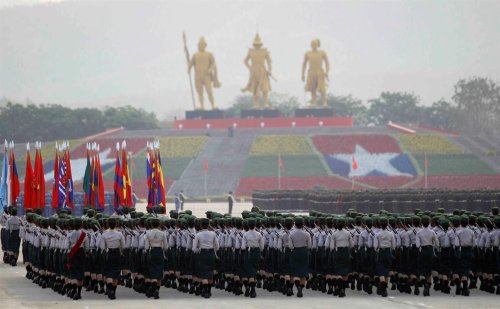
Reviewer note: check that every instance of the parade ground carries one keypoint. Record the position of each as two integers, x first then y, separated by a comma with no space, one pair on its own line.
19,292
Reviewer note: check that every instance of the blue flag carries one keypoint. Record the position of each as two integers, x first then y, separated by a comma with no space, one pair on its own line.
3,182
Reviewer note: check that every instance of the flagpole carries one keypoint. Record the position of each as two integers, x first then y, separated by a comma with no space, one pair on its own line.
352,183
279,175
426,170
206,193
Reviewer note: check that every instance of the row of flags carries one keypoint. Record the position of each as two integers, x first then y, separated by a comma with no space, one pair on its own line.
9,182
93,184
154,175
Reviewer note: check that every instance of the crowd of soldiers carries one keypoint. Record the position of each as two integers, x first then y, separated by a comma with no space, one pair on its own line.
282,253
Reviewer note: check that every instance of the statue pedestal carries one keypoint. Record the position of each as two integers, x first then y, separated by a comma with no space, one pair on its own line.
259,113
207,114
314,112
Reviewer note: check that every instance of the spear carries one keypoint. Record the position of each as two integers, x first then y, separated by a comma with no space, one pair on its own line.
186,51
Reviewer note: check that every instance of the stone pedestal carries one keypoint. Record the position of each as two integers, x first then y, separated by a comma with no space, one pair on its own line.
314,112
208,114
259,113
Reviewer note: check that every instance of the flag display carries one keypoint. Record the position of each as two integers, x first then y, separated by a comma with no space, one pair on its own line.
154,172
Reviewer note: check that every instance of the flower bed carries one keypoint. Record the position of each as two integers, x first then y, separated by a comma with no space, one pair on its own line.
280,144
182,146
428,143
457,164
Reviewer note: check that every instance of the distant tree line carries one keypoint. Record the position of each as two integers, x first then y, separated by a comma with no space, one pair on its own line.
31,122
474,109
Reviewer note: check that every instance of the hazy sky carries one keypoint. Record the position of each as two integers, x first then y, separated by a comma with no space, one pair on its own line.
94,53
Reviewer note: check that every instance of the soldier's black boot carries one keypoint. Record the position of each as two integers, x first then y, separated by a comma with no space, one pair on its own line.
199,290
329,282
336,287
78,293
350,279
101,287
465,289
253,294
299,289
416,290
111,291
156,294
473,282
445,288
289,288
383,289
192,288
427,287
359,283
343,285
247,289
458,287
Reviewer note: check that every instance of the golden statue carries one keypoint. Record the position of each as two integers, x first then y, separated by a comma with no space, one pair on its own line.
258,81
205,73
316,75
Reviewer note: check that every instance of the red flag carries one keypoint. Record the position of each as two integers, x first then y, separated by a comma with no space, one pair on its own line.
205,166
280,163
354,164
55,189
39,180
29,198
118,183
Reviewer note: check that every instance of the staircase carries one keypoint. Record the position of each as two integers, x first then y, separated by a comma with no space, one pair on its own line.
226,160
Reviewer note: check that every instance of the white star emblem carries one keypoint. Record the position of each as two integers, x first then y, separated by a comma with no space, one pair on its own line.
370,162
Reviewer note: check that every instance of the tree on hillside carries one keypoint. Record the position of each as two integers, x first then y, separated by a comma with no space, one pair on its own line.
478,103
394,106
30,122
441,114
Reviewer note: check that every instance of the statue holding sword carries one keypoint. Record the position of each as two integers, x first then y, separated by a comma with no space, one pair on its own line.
258,61
317,76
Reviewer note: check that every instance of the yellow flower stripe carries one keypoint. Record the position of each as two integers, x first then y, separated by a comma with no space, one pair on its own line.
428,143
182,146
280,144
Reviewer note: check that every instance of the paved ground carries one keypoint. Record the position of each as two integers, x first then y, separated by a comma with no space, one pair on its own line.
19,292
199,209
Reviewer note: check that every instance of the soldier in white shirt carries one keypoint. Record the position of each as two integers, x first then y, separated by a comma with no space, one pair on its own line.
205,245
252,245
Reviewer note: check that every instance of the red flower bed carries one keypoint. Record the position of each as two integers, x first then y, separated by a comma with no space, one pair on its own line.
134,145
460,182
373,143
247,185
